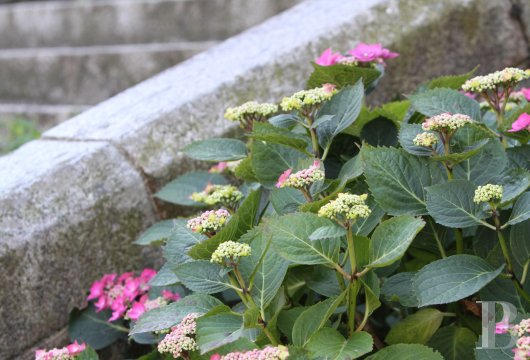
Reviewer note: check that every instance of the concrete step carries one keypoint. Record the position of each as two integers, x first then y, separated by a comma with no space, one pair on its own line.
107,22
84,75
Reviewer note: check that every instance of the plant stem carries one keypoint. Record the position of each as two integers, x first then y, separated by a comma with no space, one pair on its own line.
365,316
354,284
459,241
438,241
351,249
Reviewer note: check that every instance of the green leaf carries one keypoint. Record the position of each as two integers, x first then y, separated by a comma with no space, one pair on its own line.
437,101
179,190
286,200
406,352
165,276
287,319
93,328
371,293
313,319
341,75
290,238
451,204
407,133
397,179
88,354
451,81
203,277
241,222
328,343
322,280
218,329
400,288
216,150
416,328
363,227
380,132
269,161
328,232
521,209
454,343
453,278
245,171
345,106
276,135
519,244
158,232
285,120
514,182
350,171
180,242
392,238
170,315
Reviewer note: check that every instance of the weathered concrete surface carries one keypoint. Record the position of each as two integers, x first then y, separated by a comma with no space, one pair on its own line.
109,22
521,12
86,75
272,60
64,207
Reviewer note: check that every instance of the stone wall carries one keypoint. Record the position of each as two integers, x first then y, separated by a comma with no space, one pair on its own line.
73,202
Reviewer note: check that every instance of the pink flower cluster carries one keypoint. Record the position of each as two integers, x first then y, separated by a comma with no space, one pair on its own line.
302,178
522,123
363,53
181,339
126,295
66,353
522,332
268,353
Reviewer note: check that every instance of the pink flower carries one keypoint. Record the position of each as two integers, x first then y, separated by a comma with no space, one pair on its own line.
502,327
522,123
328,58
283,177
469,94
329,87
101,304
520,354
215,357
76,348
371,52
218,168
526,93
136,310
148,274
168,295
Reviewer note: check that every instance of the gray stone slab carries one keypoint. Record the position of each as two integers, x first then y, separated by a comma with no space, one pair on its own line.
86,75
69,212
155,119
109,22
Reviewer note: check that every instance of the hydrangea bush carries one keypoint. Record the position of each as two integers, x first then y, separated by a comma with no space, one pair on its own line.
335,230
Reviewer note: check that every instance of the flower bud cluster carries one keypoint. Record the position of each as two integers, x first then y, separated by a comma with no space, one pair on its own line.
426,139
504,78
209,222
445,122
487,193
346,206
268,353
218,194
308,98
301,179
66,353
230,252
251,111
181,338
221,167
522,332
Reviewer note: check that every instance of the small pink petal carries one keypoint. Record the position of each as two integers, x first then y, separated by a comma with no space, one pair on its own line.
328,58
76,348
522,123
215,357
283,178
168,295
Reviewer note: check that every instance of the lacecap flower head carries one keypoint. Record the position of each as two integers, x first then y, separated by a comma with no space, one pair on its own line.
301,179
371,53
209,221
218,194
446,122
279,352
308,98
426,139
181,339
250,112
505,78
66,353
346,207
230,252
487,193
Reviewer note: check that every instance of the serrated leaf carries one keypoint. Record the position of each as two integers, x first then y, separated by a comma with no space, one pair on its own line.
398,191
290,238
380,132
328,343
285,120
453,278
454,343
438,101
416,328
180,242
519,244
93,328
341,75
514,182
179,190
322,280
313,319
521,209
407,133
165,276
216,150
451,204
451,81
399,288
328,232
88,354
391,239
158,232
276,135
406,352
363,227
203,276
350,171
286,200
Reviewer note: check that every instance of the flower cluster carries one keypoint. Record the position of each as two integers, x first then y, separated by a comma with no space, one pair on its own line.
66,353
249,112
503,78
230,252
268,353
522,123
120,293
301,179
144,304
181,339
446,122
346,206
308,98
487,193
362,53
223,166
209,222
218,194
522,332
426,139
